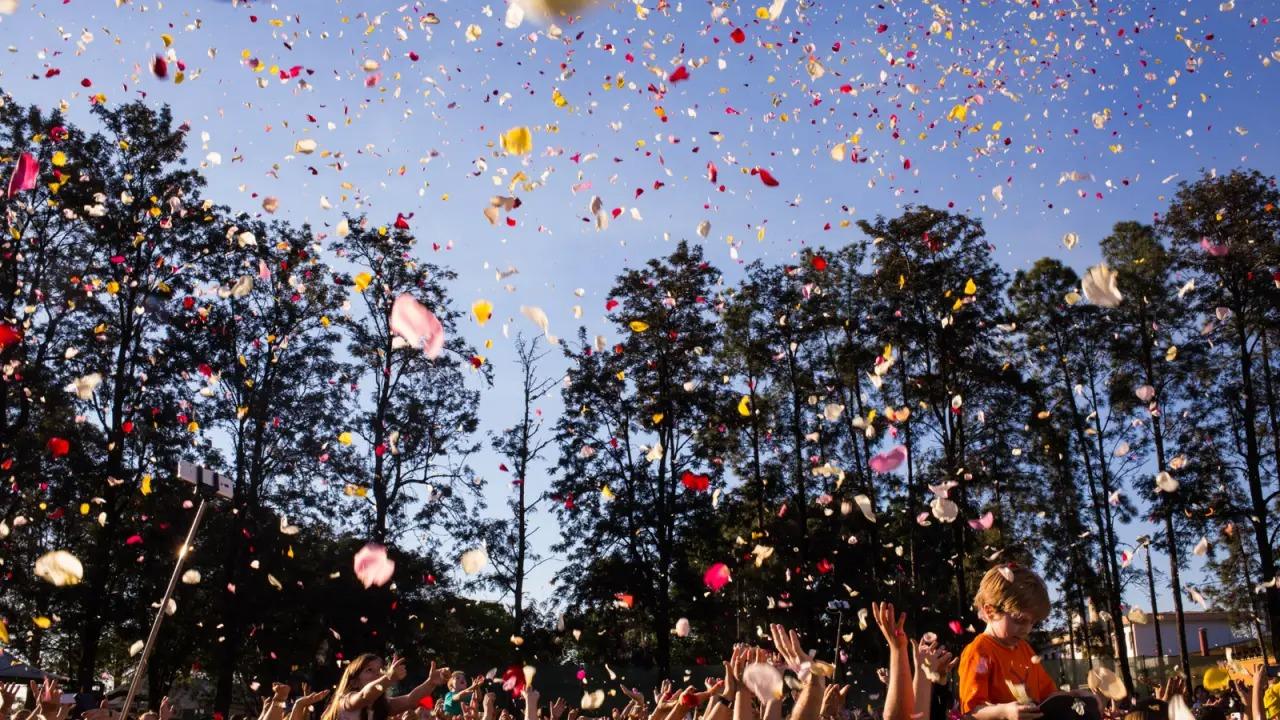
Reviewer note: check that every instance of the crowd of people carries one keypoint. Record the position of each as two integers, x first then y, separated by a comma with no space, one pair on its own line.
998,676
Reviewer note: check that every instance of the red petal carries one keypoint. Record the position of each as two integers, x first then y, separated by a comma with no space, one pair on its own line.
766,177
24,174
9,335
681,73
738,36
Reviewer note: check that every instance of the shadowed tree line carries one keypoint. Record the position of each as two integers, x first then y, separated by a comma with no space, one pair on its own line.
883,419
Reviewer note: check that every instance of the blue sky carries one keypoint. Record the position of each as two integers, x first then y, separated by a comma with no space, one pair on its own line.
1080,116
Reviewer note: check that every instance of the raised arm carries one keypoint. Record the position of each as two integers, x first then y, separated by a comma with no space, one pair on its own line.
899,698
302,706
402,703
367,695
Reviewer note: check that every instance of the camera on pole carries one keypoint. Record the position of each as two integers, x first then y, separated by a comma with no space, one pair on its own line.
210,485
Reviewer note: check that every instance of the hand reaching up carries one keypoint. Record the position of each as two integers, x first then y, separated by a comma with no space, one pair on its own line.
1174,685
891,629
395,671
557,709
935,662
102,712
788,644
663,692
309,699
833,700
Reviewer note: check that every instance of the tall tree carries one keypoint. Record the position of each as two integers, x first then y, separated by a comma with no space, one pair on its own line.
147,233
1066,345
509,539
1155,353
640,448
936,296
1223,231
418,415
258,357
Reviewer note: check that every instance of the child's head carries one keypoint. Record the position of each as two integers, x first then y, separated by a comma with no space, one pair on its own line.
457,681
1012,599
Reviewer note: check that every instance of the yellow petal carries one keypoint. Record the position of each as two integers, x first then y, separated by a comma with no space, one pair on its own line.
958,113
362,281
4,632
146,484
43,622
744,406
657,418
59,159
639,326
345,438
1171,354
518,141
970,287
482,310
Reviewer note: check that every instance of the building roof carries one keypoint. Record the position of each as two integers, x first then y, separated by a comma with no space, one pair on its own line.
1207,616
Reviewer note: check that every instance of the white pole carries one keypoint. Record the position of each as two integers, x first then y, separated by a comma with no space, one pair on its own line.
164,603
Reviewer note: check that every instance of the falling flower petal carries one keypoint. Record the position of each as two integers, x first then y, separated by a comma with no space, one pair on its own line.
482,311
372,566
59,568
473,561
764,681
716,576
24,174
983,523
517,141
1100,288
887,462
417,325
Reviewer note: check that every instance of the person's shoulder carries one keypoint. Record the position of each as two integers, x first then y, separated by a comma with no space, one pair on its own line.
981,643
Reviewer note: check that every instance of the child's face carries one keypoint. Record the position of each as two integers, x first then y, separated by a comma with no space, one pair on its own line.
369,672
457,681
1008,626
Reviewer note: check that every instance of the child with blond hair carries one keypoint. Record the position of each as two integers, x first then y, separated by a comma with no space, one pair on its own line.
1000,676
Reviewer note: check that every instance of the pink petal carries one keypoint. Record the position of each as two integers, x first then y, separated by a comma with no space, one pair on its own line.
417,325
372,566
717,576
889,461
983,523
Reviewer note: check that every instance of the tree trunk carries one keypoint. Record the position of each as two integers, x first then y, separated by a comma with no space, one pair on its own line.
1155,609
1253,461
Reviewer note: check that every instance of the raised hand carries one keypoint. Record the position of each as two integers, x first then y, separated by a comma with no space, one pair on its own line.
788,644
309,699
530,703
662,692
697,698
935,662
889,627
733,668
1174,685
167,710
395,671
833,700
102,712
437,676
557,709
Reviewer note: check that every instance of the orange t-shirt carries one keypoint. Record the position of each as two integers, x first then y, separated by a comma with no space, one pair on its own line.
986,665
